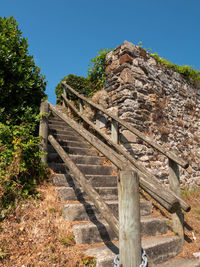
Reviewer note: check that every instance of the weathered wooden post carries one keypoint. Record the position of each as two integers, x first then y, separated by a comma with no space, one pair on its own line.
129,219
174,181
65,95
115,129
43,129
81,105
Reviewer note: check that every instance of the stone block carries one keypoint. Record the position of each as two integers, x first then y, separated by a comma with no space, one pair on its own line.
127,76
125,59
127,136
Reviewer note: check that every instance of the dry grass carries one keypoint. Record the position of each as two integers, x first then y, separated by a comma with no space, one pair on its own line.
36,234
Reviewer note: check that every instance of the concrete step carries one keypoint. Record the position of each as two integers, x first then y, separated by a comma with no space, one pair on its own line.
95,180
54,157
60,127
159,249
87,211
99,231
70,143
56,124
76,194
75,150
61,130
85,169
56,120
180,262
69,137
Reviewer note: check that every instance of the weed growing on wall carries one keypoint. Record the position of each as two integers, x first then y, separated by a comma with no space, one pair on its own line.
186,70
96,71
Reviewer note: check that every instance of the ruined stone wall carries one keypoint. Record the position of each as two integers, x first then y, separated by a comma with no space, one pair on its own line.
158,101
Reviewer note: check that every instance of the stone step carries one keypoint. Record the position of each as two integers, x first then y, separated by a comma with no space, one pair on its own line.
61,130
159,249
183,262
75,150
69,137
56,120
69,143
95,180
57,124
60,127
85,169
54,157
87,211
76,194
99,231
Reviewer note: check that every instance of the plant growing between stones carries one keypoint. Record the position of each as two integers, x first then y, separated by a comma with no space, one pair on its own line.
89,261
186,70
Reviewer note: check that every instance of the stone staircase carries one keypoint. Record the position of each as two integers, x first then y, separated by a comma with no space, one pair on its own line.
89,227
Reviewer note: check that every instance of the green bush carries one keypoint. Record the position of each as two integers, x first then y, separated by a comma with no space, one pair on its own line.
80,84
22,89
21,84
87,86
20,165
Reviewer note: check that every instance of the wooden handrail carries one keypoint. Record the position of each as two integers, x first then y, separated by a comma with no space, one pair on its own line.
101,206
151,185
142,136
140,168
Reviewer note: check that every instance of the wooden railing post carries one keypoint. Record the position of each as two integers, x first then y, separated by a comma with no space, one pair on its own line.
129,219
115,129
65,94
81,104
43,129
174,181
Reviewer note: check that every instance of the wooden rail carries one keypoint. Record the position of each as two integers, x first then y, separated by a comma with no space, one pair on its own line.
142,171
126,125
101,206
131,175
150,184
174,160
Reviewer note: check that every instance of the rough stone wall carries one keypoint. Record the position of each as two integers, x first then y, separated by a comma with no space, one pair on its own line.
158,101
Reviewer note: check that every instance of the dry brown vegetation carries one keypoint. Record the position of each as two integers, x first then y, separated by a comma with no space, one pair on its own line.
36,234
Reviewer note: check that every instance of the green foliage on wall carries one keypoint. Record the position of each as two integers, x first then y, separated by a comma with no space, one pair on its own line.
186,70
96,71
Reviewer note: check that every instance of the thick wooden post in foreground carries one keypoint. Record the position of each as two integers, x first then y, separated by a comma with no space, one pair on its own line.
43,129
129,219
174,181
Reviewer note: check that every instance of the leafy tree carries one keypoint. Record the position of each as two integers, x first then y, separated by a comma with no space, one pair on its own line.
80,84
21,84
87,86
21,89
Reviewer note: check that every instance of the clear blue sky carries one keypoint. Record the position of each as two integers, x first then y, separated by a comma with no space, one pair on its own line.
65,35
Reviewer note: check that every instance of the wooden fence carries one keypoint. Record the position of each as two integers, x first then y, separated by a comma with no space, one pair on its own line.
131,176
